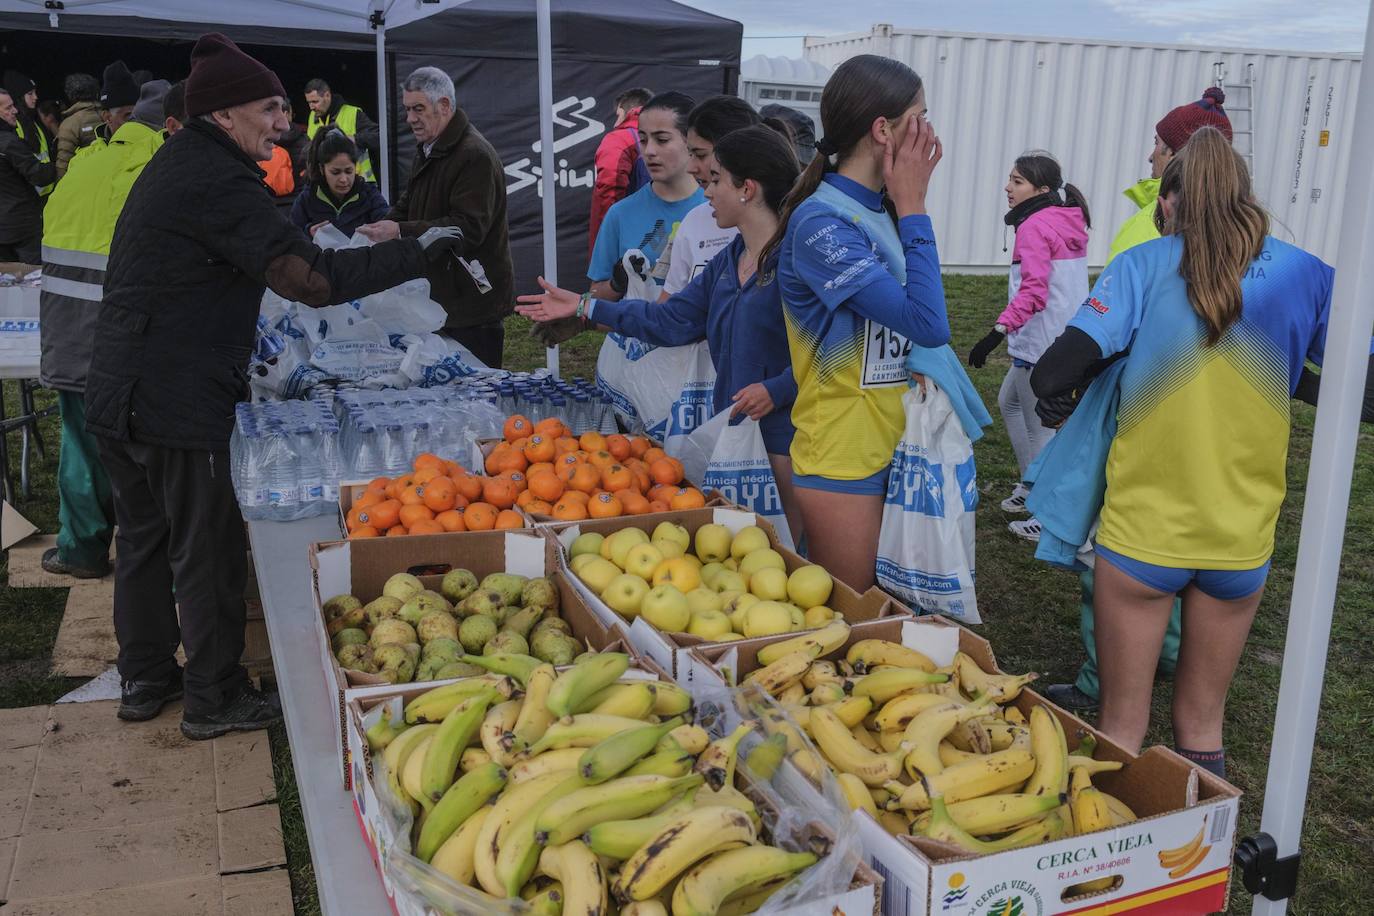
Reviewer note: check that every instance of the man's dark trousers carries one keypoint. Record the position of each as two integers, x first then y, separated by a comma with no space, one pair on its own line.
180,544
486,341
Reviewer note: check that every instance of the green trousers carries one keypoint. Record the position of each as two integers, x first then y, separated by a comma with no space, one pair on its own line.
1087,675
86,508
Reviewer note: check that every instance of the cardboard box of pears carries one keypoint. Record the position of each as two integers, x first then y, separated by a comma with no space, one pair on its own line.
699,576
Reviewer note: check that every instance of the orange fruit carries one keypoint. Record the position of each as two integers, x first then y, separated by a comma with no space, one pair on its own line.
416,513
351,517
539,449
364,531
566,444
440,494
540,466
592,442
601,459
639,445
428,460
368,498
517,426
425,475
538,507
582,477
509,518
652,454
666,471
452,520
397,531
427,526
469,486
657,506
506,458
566,510
480,516
378,484
453,470
410,495
605,505
383,515
499,492
618,446
634,503
524,499
662,493
617,477
393,489
566,460
577,496
546,486
551,428
687,498
521,481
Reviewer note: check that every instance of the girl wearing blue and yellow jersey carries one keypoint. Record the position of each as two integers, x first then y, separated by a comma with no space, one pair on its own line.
860,282
1215,321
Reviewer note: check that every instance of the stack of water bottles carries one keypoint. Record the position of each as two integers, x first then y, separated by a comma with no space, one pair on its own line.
284,457
381,432
578,403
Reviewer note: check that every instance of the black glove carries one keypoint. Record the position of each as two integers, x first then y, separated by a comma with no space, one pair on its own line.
441,241
978,356
559,330
1054,411
620,278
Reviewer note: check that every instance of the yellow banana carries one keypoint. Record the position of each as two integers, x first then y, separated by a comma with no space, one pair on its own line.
1171,858
518,854
383,731
1093,766
704,888
825,694
781,673
473,757
749,900
647,908
810,763
585,730
689,738
496,725
942,827
815,643
893,823
856,793
412,777
671,700
1004,735
717,762
511,804
867,654
864,737
633,701
925,732
548,762
582,877
678,846
851,711
534,718
971,736
841,749
1121,812
1013,716
663,763
620,839
1190,863
434,705
898,712
455,857
548,901
885,683
822,673
397,755
1051,752
985,775
992,814
792,693
572,687
1002,688
950,755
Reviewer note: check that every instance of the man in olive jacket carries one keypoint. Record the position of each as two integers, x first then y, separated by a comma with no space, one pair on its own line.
457,180
198,241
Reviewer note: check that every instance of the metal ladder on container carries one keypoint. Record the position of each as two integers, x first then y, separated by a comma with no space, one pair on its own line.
1240,108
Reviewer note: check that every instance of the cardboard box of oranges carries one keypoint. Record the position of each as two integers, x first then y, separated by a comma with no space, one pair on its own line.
437,496
563,478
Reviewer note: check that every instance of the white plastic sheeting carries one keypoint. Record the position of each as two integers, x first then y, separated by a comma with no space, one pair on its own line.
1094,105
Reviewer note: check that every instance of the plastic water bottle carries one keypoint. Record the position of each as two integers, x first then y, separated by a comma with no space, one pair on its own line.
394,457
607,415
580,420
283,486
309,470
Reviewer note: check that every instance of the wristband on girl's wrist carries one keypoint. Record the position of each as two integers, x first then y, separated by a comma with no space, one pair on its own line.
583,306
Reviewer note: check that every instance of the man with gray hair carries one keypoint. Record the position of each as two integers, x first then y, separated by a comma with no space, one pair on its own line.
457,180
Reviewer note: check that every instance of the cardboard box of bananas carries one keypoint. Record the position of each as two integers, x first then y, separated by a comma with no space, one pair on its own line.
959,760
586,790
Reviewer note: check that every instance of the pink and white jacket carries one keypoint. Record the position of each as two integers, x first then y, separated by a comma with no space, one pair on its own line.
1049,280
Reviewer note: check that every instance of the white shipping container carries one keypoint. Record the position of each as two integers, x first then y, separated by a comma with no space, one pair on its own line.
1094,105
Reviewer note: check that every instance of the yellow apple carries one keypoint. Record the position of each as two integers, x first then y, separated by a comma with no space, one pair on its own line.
666,608
713,543
747,540
679,572
598,574
767,618
642,560
620,544
797,614
818,617
702,598
668,531
709,573
728,581
625,594
589,543
761,559
769,584
809,586
731,564
709,625
578,562
669,547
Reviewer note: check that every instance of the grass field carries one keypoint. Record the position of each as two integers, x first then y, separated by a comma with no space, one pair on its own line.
1032,621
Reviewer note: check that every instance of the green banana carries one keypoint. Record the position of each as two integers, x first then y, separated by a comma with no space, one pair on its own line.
573,686
634,701
512,803
585,730
620,839
663,763
616,754
704,888
520,846
717,762
816,643
446,750
383,732
455,857
460,802
692,837
511,664
766,756
434,705
397,754
630,796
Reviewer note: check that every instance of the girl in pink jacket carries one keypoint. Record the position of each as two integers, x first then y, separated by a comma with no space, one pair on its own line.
1049,281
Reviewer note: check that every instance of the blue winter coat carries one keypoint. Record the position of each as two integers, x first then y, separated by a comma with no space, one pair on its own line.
365,204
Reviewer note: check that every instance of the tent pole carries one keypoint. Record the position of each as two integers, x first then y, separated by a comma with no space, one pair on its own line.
383,101
548,174
1327,503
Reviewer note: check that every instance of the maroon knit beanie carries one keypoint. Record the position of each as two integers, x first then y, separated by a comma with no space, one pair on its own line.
222,76
1178,125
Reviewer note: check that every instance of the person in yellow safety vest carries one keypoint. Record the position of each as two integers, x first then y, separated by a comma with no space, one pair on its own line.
24,92
118,96
78,225
1171,133
328,109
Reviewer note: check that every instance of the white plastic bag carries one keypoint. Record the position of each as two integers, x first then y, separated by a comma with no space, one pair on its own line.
731,458
926,545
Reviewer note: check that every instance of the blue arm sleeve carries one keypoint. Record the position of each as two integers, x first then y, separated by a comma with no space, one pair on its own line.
838,262
1111,314
782,388
679,321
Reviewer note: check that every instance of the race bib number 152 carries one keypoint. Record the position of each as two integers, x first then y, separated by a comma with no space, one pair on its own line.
885,353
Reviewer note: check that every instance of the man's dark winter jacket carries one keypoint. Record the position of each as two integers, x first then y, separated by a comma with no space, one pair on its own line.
197,243
364,204
21,209
462,183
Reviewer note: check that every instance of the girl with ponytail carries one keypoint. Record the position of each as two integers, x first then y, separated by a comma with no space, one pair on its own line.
1049,280
335,192
1212,323
860,284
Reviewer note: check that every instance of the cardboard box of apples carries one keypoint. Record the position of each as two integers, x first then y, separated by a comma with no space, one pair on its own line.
704,575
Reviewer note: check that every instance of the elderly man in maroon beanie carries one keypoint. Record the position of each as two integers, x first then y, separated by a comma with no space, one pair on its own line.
196,244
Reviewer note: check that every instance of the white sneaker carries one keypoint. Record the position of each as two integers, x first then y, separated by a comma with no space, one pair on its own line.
1015,504
1028,530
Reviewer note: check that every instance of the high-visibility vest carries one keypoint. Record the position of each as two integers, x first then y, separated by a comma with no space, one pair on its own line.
279,179
347,121
42,155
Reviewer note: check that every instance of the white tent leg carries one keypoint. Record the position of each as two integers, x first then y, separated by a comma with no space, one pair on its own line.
549,174
383,100
1328,496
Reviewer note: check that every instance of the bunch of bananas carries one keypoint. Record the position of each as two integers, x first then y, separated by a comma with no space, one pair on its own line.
930,751
580,791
